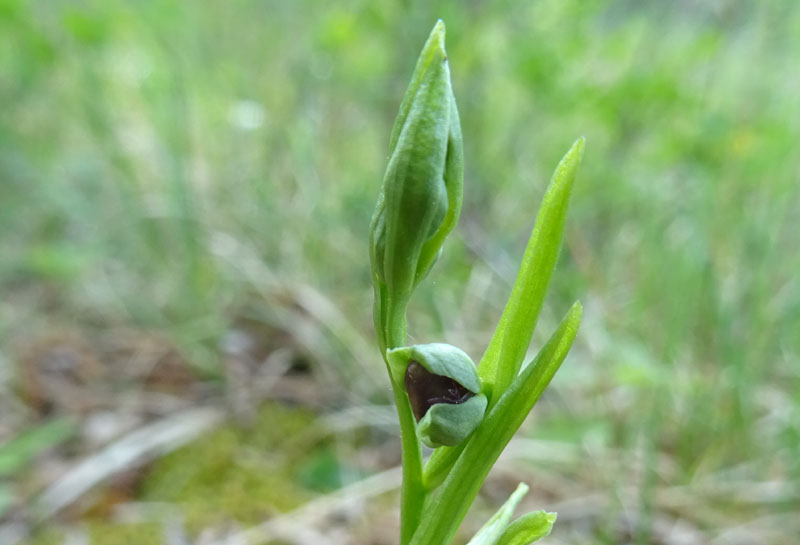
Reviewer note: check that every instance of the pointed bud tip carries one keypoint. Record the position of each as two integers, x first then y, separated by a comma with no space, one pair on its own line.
436,38
439,28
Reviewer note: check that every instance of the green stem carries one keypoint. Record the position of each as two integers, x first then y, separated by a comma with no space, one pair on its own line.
413,491
439,464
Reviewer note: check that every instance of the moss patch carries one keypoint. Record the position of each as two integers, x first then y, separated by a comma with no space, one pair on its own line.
237,473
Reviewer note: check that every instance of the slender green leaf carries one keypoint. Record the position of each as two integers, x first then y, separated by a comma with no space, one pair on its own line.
504,355
495,527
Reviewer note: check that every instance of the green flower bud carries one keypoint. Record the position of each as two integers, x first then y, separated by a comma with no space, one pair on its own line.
421,196
443,389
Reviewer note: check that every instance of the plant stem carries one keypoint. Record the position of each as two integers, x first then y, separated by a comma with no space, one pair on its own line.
413,491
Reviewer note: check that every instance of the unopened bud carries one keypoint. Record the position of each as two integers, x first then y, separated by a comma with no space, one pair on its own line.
421,197
443,389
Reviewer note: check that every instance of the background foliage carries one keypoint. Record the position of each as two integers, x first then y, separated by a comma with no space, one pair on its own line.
192,170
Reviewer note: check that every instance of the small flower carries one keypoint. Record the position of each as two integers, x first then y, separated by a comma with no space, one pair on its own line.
443,389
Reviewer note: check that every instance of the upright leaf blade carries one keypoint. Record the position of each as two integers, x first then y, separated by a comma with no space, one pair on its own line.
513,334
494,529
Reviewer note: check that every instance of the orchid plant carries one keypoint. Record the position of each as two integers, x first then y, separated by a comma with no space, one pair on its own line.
466,413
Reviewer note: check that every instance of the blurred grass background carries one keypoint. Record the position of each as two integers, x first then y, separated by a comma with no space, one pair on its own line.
185,169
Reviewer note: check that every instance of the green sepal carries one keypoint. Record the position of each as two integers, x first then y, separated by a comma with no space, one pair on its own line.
447,425
440,359
528,528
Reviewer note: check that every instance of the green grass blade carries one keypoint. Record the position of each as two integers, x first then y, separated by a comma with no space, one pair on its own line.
513,334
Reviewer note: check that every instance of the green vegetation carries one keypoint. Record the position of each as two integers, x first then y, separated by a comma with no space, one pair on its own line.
467,415
181,169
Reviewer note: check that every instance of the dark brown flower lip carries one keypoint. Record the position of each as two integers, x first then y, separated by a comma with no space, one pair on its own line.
426,389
